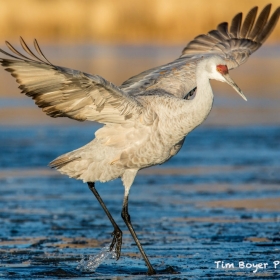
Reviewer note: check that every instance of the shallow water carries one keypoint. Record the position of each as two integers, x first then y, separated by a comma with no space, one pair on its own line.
217,200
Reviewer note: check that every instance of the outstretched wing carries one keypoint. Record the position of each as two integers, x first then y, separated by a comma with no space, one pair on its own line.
63,92
235,45
238,42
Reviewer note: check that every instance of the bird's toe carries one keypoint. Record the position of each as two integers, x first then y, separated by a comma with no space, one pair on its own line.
116,242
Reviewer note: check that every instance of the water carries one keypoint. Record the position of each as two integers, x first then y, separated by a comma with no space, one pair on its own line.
91,263
217,200
201,214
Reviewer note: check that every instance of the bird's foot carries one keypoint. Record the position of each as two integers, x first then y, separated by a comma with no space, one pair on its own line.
116,242
151,271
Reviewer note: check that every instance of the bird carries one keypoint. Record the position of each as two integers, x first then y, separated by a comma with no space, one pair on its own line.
147,118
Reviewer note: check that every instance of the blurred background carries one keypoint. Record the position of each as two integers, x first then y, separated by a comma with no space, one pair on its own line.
118,39
118,22
218,197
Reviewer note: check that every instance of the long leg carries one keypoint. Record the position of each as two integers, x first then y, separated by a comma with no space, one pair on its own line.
126,218
117,233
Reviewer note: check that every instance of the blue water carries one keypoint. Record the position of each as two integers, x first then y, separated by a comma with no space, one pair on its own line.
50,222
26,147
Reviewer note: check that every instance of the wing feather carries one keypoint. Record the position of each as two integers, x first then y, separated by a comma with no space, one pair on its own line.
269,26
260,23
222,28
215,34
63,92
235,26
238,43
249,22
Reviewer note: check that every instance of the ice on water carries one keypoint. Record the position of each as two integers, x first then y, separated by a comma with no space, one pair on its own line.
91,263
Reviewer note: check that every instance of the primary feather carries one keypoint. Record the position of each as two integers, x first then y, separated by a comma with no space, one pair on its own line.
63,92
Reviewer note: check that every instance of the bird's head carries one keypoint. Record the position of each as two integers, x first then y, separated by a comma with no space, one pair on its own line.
219,71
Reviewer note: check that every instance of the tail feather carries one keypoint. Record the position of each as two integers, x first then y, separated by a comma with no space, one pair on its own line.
61,161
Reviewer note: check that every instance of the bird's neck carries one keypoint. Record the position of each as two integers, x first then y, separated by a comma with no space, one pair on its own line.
198,109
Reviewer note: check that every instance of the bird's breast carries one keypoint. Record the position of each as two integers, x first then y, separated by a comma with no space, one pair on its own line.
157,148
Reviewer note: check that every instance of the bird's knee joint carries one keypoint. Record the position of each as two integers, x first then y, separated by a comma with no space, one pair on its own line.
126,216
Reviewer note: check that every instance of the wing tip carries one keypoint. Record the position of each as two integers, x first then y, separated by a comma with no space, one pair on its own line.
249,29
20,56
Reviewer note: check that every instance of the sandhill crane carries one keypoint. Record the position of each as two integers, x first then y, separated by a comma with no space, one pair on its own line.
147,118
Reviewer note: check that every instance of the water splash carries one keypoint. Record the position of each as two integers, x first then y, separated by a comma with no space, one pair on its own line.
91,263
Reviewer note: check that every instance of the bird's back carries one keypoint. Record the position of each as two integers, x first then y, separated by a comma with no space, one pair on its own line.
176,78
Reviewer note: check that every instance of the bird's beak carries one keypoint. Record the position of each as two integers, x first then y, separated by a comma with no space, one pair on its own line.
234,85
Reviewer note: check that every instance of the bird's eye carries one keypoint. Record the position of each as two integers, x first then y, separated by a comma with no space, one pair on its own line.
190,95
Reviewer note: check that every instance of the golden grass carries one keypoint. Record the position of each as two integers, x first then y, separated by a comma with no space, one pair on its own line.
118,21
